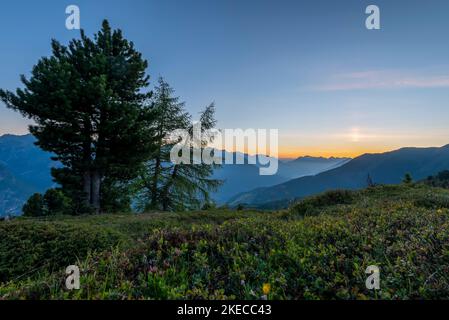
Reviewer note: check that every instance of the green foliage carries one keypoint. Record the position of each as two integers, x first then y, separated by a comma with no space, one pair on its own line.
29,247
440,180
90,109
57,203
313,204
240,207
249,255
53,202
209,206
35,206
432,201
182,186
369,181
407,178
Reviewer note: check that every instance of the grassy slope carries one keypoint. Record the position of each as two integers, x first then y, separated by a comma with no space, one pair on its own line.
319,249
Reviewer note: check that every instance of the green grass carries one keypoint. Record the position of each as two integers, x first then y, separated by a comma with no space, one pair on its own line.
318,249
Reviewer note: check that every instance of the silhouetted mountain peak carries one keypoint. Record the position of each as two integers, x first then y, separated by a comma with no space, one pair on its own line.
384,168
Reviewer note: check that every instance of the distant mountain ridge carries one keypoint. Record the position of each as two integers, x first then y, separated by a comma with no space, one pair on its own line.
308,165
13,191
24,170
26,161
384,168
245,177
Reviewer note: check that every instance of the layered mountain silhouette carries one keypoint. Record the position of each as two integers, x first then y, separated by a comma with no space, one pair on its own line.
307,165
245,177
13,192
26,161
383,168
24,170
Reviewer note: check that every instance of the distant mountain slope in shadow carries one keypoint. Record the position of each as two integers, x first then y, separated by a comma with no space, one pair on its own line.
245,177
13,192
24,170
26,161
384,168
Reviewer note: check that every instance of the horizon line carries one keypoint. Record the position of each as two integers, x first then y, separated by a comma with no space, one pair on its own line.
344,153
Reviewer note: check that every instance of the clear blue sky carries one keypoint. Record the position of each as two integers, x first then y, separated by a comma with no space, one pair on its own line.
309,68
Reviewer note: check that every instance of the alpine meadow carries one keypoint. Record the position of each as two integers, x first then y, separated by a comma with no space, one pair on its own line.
247,151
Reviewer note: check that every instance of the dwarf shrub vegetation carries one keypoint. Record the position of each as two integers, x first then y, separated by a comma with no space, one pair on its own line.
221,254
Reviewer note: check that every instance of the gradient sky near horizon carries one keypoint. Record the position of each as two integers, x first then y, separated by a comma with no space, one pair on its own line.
308,68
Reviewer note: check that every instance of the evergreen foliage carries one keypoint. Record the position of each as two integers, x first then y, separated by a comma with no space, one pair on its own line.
176,186
91,110
53,202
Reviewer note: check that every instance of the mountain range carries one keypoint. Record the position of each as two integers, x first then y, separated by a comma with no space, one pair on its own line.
13,192
245,177
25,169
382,168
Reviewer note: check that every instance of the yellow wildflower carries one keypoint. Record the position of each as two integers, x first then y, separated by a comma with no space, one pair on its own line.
266,288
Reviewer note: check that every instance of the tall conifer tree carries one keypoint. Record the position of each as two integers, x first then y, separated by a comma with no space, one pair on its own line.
89,105
167,186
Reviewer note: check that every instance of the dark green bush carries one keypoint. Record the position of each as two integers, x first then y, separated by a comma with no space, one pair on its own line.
440,180
52,203
240,207
35,206
407,179
209,206
311,205
432,201
27,247
57,203
255,256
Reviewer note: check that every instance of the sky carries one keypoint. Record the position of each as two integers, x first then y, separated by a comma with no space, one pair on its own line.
310,69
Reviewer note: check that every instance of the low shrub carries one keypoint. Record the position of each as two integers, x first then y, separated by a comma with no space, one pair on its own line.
27,247
313,204
53,202
242,255
432,201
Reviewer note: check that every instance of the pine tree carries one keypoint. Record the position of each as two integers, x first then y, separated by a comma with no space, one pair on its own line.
35,206
90,109
407,178
369,181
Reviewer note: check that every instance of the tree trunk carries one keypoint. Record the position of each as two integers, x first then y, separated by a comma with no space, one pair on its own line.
154,190
96,188
165,193
87,188
87,158
157,168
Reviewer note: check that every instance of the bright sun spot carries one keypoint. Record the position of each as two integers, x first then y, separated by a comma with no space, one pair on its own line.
355,135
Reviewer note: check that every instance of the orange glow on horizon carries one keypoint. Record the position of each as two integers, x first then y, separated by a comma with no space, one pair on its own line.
350,149
288,152
327,152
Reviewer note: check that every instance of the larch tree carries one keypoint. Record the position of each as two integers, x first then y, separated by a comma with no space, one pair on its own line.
189,185
165,185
